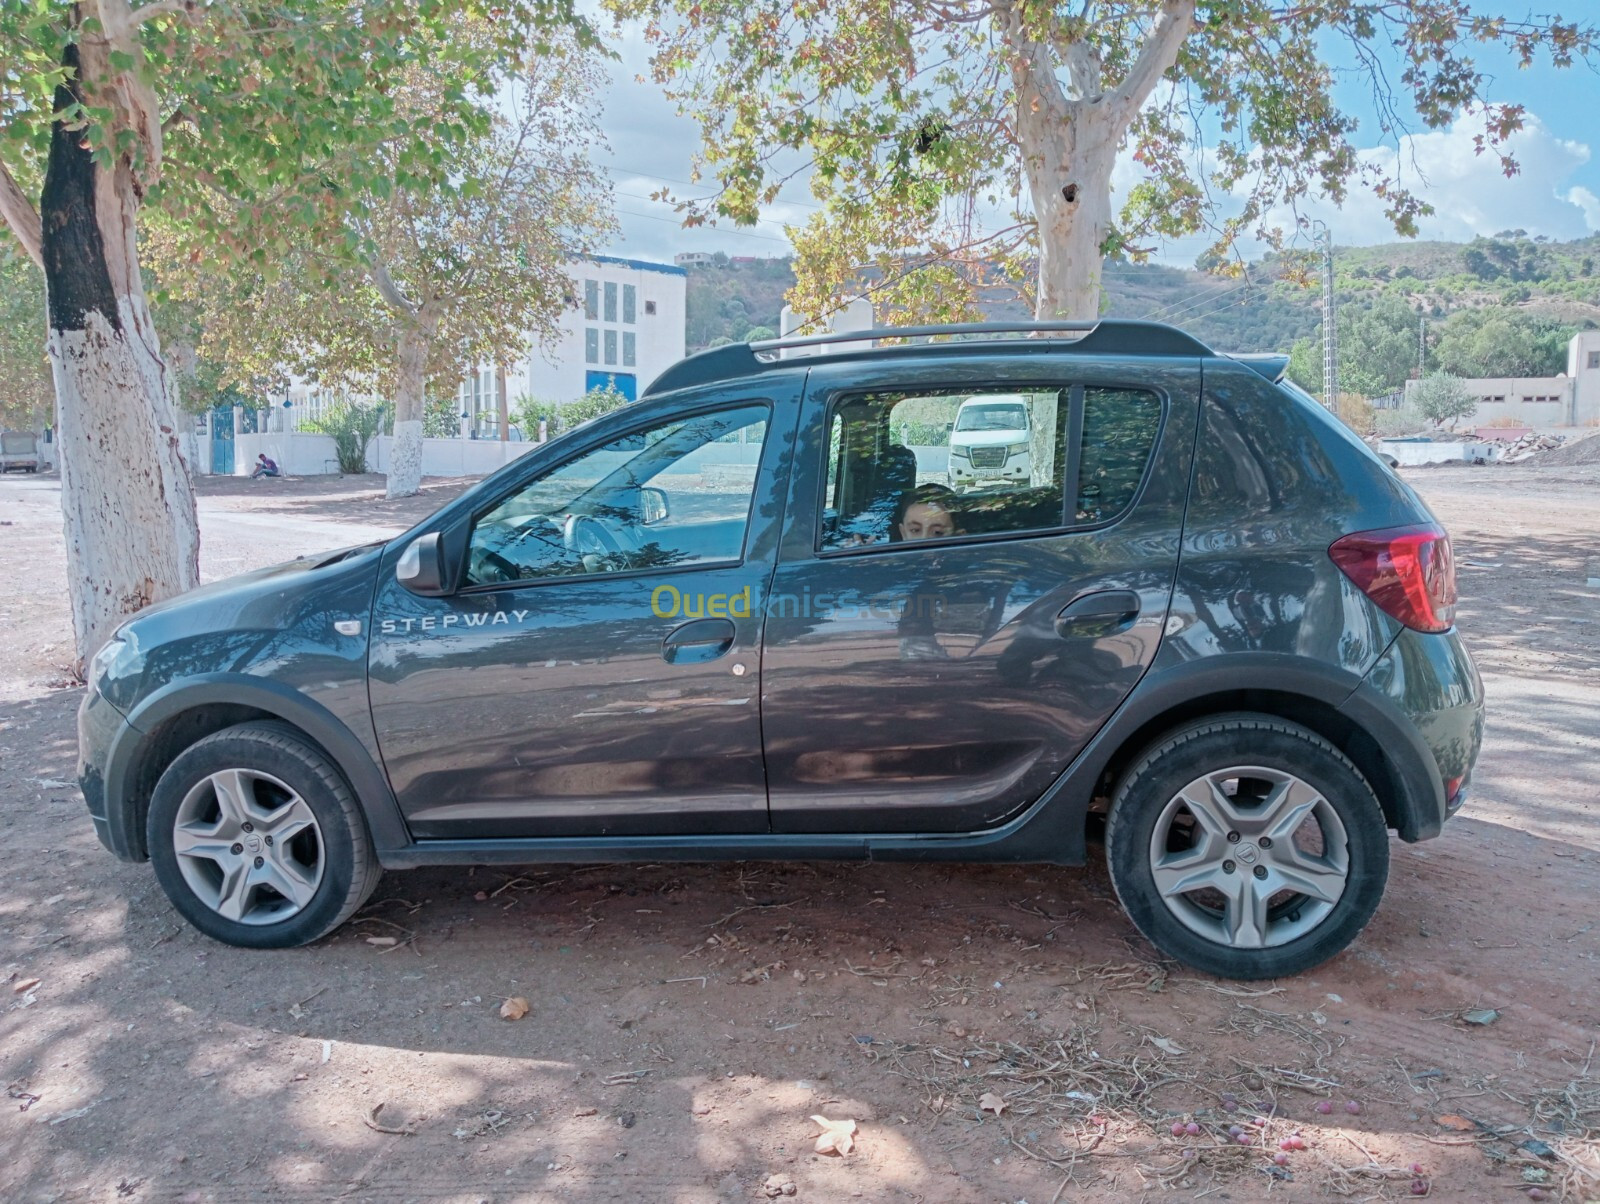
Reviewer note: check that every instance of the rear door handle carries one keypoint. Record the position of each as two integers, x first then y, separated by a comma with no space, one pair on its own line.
1097,615
697,642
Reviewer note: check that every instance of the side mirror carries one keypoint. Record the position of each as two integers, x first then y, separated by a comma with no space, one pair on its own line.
421,566
653,506
950,426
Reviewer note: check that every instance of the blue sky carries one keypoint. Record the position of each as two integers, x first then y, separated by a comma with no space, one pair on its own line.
1557,193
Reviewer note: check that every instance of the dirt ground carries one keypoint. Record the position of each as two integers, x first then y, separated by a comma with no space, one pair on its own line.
685,1021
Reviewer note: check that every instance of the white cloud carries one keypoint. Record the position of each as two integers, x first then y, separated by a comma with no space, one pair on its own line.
1470,193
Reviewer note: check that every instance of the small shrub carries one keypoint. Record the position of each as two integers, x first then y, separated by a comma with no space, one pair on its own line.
1391,424
1356,413
352,426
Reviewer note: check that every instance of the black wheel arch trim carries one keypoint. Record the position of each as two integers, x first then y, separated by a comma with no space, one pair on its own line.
125,821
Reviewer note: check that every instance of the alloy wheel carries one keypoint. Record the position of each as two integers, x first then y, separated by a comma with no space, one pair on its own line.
1249,857
248,846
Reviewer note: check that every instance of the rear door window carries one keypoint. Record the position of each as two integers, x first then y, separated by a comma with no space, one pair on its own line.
910,466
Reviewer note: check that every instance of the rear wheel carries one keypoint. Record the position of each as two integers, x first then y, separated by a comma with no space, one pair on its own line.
257,839
1247,847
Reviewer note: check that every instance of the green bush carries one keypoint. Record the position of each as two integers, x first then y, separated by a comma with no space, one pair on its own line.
561,417
352,426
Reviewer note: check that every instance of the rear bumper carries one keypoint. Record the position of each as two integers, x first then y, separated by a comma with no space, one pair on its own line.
1423,703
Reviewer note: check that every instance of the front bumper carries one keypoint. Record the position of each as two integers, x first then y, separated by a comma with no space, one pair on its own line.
99,725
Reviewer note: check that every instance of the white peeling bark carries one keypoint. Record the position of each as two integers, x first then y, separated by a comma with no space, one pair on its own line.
1069,181
126,497
405,453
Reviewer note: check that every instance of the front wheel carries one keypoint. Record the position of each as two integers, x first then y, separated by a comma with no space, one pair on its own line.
1247,847
257,839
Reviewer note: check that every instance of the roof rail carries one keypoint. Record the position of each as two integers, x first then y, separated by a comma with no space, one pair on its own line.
1147,338
1109,337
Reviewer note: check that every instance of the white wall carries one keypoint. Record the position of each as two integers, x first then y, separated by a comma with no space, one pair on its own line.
297,454
1438,453
452,457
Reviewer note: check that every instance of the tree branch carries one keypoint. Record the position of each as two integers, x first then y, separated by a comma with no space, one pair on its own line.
387,288
1160,50
161,8
21,216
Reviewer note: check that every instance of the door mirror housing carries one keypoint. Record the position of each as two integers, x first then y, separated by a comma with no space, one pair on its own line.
421,566
653,507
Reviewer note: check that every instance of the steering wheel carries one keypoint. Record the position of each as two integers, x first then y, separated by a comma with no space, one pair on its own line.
586,536
501,562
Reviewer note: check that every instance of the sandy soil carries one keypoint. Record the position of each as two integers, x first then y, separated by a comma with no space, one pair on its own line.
685,1021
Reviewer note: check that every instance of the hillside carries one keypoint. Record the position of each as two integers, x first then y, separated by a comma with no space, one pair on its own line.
1548,283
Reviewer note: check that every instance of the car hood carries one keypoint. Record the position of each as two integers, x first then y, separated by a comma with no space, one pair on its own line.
248,585
986,438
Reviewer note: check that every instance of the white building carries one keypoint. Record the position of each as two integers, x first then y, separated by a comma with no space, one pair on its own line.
627,327
692,259
1572,399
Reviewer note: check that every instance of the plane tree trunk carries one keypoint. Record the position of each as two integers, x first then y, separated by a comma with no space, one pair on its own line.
127,501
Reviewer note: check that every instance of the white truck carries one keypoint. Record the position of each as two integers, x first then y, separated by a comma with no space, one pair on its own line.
989,442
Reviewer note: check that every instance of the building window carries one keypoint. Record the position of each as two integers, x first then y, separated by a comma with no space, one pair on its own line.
611,346
650,312
1526,399
591,346
611,300
1594,359
630,302
591,300
629,348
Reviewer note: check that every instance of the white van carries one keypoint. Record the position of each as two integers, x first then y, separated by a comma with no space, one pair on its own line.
989,442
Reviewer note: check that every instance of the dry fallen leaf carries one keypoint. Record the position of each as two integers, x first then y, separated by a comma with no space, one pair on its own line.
26,985
1167,1046
1459,1123
514,1008
837,1136
383,941
990,1102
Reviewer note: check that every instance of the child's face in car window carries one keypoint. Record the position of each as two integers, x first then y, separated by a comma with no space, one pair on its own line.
926,521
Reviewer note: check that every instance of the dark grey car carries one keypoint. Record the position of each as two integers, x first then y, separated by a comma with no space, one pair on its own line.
745,618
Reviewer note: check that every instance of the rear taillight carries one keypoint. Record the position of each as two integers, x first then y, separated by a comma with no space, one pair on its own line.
1408,571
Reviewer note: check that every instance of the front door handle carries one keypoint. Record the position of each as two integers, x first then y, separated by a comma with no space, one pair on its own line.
1095,616
697,642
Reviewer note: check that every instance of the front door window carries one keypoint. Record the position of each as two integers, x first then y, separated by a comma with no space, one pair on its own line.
671,495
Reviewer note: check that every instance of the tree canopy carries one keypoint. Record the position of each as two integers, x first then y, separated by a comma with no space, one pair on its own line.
960,143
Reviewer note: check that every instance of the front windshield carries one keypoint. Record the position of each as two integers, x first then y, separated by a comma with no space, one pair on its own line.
999,416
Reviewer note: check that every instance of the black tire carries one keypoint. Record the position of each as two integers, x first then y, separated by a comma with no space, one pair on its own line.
349,869
1212,746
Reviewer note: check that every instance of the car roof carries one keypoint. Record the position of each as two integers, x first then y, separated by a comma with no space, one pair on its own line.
1106,337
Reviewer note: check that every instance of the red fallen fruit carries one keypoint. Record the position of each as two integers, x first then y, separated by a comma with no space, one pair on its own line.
1419,1187
1418,1170
1353,1108
1243,1139
1178,1128
1280,1158
1192,1129
1324,1106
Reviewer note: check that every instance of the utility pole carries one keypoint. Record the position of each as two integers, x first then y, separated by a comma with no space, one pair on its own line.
1330,329
1422,344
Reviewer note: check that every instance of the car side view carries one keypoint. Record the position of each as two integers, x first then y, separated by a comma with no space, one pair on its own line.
747,616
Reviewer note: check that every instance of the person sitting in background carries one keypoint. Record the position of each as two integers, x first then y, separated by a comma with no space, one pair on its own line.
265,467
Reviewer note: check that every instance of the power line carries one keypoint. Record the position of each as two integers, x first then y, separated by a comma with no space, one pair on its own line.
1168,313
